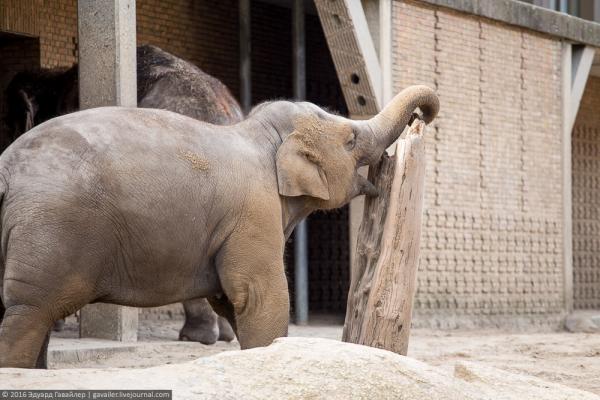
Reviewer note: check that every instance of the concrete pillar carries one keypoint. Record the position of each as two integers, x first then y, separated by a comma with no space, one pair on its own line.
371,10
551,4
385,51
107,77
563,6
567,193
576,65
301,232
245,54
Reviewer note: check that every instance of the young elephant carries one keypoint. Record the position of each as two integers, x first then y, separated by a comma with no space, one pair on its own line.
164,81
144,207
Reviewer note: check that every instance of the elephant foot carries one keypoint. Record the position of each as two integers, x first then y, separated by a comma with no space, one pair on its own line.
226,333
206,332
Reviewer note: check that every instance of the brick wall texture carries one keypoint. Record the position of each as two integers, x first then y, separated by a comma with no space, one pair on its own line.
491,251
586,199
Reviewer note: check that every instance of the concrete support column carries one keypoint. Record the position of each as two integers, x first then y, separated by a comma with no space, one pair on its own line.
301,232
551,4
566,174
107,77
563,6
385,51
245,54
576,64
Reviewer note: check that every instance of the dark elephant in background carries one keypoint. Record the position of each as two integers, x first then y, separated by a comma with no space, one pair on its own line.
165,82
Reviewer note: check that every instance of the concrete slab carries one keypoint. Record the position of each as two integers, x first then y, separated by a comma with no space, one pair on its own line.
63,350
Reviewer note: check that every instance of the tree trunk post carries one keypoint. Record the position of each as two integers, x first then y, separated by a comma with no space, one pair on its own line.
383,284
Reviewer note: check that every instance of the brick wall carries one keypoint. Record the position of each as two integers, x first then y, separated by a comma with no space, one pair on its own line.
58,34
586,199
491,250
203,32
20,16
53,22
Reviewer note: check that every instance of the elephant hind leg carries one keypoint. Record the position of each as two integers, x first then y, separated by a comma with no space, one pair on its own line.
42,360
2,309
23,333
226,333
224,309
31,310
226,321
200,322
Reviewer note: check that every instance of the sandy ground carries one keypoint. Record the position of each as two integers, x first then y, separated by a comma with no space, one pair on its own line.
572,359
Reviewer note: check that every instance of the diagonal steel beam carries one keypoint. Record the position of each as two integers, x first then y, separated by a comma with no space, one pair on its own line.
582,58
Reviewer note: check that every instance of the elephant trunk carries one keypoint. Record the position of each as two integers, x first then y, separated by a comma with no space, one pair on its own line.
388,125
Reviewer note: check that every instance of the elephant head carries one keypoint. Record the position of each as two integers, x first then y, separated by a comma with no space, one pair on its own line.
320,158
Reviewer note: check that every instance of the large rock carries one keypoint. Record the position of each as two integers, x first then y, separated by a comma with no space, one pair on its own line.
304,368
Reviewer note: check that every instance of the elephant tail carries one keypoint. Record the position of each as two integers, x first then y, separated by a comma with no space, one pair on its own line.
3,190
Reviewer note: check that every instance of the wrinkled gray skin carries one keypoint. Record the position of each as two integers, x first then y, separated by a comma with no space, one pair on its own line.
170,83
164,81
145,207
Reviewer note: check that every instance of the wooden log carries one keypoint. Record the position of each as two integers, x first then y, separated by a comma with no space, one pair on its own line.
383,281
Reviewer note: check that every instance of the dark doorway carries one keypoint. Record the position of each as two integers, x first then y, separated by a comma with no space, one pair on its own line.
328,243
17,53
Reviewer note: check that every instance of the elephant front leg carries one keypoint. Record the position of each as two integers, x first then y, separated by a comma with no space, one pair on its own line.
254,281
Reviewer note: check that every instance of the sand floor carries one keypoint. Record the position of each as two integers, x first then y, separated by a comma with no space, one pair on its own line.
572,359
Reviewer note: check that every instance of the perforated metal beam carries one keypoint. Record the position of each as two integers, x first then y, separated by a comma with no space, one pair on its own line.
353,53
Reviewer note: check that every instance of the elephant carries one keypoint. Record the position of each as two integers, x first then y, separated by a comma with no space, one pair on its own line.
146,207
164,81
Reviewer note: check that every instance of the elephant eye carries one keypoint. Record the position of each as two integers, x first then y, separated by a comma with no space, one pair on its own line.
351,142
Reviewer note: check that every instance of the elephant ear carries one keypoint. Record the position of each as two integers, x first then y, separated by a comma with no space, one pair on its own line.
297,175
